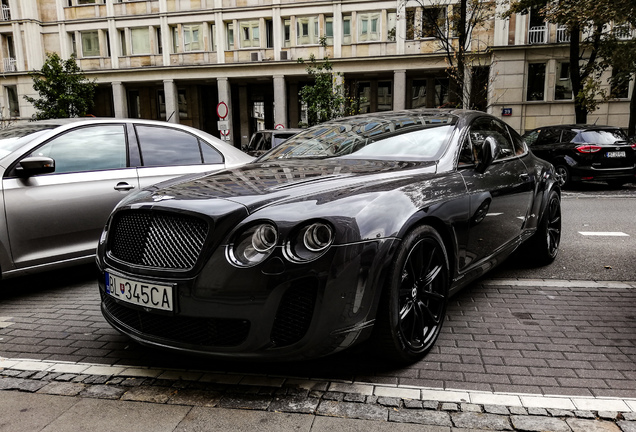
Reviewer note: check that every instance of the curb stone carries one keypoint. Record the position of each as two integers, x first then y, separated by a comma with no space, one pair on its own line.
293,399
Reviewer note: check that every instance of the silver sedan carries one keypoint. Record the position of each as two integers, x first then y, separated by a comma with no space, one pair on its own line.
62,178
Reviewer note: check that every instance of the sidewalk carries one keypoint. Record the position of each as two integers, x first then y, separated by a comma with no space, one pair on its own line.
45,396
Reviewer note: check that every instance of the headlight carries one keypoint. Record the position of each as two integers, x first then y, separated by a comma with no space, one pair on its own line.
310,242
253,245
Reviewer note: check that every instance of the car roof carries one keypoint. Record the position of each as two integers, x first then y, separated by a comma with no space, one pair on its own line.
579,127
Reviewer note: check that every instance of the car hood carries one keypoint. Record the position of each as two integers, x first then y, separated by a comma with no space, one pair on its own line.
258,185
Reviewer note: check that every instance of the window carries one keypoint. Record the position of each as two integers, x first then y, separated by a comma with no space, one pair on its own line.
483,128
213,37
181,100
230,36
107,144
192,37
620,84
536,82
159,41
287,33
418,94
140,40
433,21
134,106
346,29
250,34
162,146
175,39
368,27
90,43
307,31
14,104
549,136
329,30
441,92
563,86
391,23
122,43
385,97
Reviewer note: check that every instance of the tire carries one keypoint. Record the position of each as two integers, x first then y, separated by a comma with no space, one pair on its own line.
543,246
415,297
562,174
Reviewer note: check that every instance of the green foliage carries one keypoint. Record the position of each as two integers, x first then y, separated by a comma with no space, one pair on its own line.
63,90
326,98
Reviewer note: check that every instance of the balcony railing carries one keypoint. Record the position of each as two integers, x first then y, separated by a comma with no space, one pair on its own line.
6,13
624,32
538,35
9,64
562,35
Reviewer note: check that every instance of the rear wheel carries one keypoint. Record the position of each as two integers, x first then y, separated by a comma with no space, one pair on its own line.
543,246
562,174
415,298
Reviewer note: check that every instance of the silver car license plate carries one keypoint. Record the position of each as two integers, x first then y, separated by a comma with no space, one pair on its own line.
615,154
142,293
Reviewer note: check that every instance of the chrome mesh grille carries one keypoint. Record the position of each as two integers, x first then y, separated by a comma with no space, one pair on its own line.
158,240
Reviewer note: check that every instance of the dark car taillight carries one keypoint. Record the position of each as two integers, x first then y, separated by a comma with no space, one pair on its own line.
588,148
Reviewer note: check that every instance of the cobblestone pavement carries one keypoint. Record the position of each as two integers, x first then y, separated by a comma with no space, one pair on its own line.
508,342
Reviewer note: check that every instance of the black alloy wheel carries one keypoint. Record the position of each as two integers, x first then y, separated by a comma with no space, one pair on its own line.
543,246
562,175
418,295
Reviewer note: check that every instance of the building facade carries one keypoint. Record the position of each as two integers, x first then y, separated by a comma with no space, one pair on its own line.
200,61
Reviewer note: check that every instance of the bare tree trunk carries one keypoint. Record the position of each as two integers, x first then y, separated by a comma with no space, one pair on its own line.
580,112
631,127
461,53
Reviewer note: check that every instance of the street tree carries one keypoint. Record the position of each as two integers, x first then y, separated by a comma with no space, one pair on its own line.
456,28
327,97
62,88
587,22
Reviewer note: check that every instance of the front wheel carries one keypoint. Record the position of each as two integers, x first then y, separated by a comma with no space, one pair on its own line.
414,301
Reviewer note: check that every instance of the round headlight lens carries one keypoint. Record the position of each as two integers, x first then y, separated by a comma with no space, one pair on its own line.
264,238
310,242
317,237
253,245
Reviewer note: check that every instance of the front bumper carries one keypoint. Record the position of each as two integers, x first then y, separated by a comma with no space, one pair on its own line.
276,310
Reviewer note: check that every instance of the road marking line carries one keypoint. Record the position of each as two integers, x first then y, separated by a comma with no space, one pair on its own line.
599,233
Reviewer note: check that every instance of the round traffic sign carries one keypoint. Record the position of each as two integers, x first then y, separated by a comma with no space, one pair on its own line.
221,110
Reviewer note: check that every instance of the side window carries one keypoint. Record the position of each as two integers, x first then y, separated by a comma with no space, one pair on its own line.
549,137
91,148
162,146
210,154
568,136
483,128
531,137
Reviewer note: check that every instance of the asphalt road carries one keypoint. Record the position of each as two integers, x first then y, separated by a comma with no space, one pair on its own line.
589,208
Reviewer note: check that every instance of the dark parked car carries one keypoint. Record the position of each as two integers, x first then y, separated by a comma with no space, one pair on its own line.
356,228
585,152
265,140
62,178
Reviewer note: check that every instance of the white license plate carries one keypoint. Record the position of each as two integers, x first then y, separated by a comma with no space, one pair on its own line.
142,293
615,154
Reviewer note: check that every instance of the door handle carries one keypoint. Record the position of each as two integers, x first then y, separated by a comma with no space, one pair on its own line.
123,186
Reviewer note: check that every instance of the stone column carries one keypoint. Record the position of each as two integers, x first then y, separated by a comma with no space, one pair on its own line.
225,96
280,101
399,89
172,101
120,101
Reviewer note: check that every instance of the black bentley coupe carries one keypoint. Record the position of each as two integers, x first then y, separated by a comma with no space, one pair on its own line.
356,229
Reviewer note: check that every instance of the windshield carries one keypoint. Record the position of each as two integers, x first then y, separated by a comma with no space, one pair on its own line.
404,137
601,137
14,137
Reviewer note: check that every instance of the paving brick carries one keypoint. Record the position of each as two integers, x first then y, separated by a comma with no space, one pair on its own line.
352,410
424,417
539,424
481,421
581,425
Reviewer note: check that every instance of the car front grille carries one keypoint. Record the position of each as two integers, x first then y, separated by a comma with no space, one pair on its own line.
210,332
294,313
156,239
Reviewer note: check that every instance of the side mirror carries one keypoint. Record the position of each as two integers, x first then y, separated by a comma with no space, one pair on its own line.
35,165
487,154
